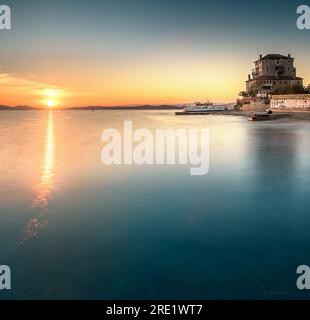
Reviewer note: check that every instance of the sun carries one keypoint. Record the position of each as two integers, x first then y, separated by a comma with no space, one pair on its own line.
51,97
51,103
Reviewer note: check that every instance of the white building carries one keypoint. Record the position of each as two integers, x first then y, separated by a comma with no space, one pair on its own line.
290,102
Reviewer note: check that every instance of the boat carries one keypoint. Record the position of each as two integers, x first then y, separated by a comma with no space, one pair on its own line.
258,117
199,108
263,116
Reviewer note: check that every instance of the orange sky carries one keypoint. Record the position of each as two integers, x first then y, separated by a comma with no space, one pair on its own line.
142,52
157,81
151,82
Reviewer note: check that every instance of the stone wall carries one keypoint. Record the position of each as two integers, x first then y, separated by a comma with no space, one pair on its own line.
255,106
290,102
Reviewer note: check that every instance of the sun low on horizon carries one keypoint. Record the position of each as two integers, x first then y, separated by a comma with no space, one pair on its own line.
50,103
139,61
51,98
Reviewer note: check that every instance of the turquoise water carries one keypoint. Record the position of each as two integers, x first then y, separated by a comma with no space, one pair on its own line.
72,227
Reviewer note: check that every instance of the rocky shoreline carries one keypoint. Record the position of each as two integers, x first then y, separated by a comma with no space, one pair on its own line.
298,115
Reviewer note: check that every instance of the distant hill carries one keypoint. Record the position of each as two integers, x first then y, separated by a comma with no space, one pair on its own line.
17,108
143,107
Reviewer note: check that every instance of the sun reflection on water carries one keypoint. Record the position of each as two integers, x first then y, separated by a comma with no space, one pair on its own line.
46,185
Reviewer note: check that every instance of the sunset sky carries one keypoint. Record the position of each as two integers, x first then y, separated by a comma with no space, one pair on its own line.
121,52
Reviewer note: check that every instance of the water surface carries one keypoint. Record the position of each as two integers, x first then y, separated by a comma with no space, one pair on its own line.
72,227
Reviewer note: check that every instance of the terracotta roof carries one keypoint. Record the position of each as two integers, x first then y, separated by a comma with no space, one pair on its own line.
291,96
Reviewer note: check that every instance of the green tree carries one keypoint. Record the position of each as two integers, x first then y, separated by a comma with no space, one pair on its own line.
296,89
243,94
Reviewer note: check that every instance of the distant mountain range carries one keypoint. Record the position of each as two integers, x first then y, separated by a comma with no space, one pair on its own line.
142,107
17,108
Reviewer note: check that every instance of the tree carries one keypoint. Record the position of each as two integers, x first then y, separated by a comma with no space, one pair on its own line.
295,89
243,94
253,92
250,93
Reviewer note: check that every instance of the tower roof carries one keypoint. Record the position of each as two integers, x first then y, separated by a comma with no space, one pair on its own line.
274,56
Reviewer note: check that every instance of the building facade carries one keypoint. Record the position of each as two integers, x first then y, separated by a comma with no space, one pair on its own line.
290,102
272,72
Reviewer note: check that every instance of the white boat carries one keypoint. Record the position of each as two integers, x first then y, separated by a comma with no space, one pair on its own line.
199,107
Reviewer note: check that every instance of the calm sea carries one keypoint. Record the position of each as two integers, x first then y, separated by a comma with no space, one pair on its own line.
72,227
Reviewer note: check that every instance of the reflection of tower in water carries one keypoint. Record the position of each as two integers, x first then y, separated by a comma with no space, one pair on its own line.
46,186
274,152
